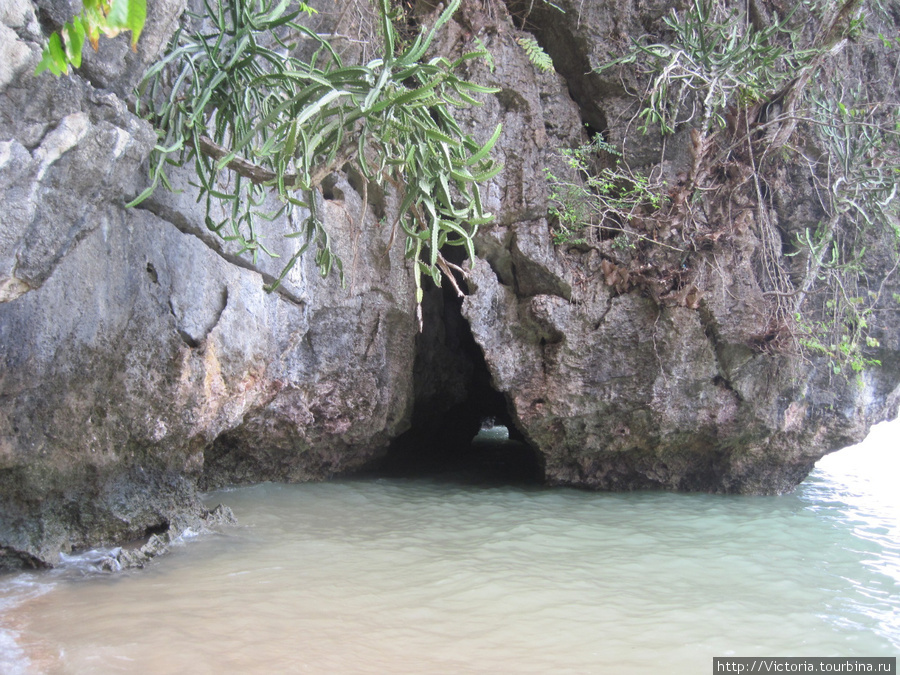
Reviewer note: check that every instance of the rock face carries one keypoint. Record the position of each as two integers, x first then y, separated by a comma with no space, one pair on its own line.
624,385
142,360
139,357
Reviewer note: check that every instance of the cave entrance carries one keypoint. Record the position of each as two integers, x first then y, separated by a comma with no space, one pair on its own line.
494,454
461,429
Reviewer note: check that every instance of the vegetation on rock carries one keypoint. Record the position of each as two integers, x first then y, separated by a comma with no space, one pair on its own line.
538,57
109,17
233,100
740,88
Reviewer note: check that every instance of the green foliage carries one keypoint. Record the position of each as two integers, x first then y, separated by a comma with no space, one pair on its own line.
590,200
253,119
863,154
536,54
741,89
715,60
488,57
862,157
845,352
569,209
107,17
623,242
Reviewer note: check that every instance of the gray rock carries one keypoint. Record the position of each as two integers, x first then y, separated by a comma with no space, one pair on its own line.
623,385
135,349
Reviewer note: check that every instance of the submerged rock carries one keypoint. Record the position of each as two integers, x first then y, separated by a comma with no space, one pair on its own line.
129,557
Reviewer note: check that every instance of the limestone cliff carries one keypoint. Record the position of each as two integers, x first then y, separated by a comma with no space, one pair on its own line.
626,375
141,357
138,354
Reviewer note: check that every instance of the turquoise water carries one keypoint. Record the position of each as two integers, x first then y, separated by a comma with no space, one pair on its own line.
437,576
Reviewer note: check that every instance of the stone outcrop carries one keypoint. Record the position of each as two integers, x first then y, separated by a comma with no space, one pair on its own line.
624,385
142,359
138,353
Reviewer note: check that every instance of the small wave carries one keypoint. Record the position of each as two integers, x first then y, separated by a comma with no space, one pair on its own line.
12,659
95,560
15,591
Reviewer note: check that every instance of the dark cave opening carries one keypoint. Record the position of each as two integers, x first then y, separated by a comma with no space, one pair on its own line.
493,455
461,427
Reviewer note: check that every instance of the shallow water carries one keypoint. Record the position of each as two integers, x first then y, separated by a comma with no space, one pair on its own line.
442,576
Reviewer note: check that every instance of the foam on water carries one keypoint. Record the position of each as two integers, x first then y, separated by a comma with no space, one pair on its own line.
16,591
430,576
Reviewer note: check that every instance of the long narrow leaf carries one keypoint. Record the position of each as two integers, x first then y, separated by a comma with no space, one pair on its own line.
486,148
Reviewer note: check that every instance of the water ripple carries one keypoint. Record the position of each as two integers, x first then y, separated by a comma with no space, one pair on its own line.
426,576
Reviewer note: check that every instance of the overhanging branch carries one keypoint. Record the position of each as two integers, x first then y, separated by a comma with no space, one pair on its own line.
262,176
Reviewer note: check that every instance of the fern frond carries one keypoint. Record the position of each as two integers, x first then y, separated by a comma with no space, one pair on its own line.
488,57
535,53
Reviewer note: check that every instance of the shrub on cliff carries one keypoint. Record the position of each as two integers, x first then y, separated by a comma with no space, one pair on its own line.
739,88
236,100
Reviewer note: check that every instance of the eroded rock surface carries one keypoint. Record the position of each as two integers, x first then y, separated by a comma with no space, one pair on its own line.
140,357
625,384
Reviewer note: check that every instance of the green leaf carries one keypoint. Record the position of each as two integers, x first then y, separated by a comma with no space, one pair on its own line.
74,33
486,148
490,173
435,247
117,17
414,53
445,197
461,85
387,29
405,98
466,100
290,144
380,84
445,16
535,53
126,15
436,135
53,57
271,20
137,16
462,175
141,197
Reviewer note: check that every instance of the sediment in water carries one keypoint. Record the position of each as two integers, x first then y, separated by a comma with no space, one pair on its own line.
142,358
